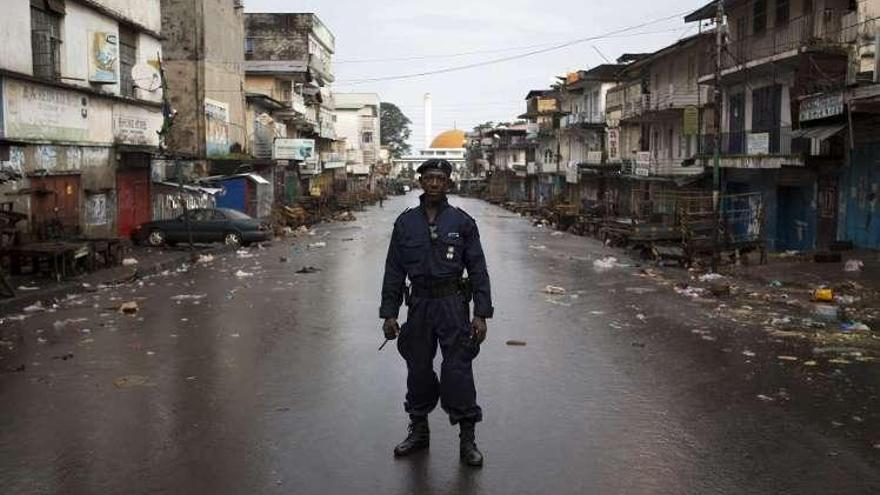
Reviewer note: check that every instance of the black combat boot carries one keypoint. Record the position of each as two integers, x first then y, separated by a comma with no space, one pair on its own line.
418,438
468,450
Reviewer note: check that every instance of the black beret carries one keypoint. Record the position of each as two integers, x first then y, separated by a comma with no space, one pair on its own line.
438,164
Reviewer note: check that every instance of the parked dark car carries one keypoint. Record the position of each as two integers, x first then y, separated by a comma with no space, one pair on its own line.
231,227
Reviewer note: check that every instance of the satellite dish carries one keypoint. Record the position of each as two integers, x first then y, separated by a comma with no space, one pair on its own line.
146,77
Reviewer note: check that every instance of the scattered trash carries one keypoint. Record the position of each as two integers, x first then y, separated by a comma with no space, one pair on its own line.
826,311
63,357
36,307
552,289
597,313
855,326
282,259
641,317
839,361
235,335
556,234
317,245
130,381
129,262
516,342
694,292
847,299
748,353
766,398
537,247
720,290
188,297
787,358
640,290
810,363
129,308
775,283
205,258
780,321
41,340
243,274
823,294
243,254
191,378
853,266
308,269
27,288
709,277
605,263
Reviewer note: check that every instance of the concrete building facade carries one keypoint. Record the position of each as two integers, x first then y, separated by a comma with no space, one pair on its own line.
80,107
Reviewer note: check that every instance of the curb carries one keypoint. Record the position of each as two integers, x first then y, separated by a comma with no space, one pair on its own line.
24,299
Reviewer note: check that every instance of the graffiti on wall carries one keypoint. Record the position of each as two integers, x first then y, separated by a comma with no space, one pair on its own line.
216,127
14,167
96,209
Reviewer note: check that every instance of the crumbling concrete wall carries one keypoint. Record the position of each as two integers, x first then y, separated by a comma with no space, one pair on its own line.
279,36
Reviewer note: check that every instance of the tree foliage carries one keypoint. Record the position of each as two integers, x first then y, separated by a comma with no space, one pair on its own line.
395,129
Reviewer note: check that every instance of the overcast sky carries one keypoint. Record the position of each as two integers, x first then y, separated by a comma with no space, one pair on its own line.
438,32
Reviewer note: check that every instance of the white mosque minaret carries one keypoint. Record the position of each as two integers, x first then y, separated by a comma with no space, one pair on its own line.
449,145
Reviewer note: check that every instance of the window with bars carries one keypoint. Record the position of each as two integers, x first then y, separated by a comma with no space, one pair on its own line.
759,17
783,12
46,43
127,59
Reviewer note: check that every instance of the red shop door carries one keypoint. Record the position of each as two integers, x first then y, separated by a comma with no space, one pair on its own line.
132,199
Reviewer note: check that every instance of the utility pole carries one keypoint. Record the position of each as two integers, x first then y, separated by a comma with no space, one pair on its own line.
716,159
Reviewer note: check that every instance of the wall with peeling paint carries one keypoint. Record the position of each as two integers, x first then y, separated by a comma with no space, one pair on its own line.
860,197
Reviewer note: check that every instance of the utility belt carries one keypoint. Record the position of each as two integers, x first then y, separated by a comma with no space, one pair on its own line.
440,288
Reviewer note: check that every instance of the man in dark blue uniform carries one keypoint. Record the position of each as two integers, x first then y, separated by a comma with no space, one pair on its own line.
432,244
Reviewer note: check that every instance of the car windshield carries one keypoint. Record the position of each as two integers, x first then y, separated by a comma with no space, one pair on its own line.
235,215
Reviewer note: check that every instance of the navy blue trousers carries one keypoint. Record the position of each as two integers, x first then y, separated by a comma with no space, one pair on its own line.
443,322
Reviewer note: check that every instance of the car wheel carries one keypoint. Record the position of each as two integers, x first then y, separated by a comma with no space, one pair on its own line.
156,238
232,239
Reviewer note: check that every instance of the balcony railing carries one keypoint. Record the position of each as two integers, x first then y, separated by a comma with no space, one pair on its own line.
817,29
583,118
772,141
297,103
647,165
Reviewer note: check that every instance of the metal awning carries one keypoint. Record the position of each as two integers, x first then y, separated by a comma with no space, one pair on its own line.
821,132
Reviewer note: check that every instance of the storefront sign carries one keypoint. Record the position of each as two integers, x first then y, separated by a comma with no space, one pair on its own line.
594,157
42,112
294,149
613,144
822,106
103,58
758,143
136,126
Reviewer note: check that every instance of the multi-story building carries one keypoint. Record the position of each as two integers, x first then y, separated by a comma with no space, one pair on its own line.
357,122
288,56
202,52
545,174
776,139
582,133
80,107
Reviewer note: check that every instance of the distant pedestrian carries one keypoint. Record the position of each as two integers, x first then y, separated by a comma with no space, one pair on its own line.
432,245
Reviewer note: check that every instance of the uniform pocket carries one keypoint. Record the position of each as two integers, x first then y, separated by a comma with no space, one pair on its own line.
412,251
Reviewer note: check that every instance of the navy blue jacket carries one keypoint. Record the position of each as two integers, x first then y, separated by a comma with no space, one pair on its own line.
412,253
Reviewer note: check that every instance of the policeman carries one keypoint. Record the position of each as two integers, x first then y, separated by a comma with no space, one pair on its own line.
432,244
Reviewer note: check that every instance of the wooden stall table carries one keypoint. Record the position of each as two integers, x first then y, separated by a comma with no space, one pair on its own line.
56,259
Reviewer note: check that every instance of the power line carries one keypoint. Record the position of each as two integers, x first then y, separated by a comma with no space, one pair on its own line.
479,52
512,57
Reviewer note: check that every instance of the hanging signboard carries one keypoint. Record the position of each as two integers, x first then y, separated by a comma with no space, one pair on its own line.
759,143
294,149
822,106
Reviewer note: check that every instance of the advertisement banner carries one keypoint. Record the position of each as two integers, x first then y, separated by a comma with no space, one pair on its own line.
294,149
216,127
103,57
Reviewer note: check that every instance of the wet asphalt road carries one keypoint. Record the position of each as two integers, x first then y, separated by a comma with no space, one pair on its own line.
271,383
